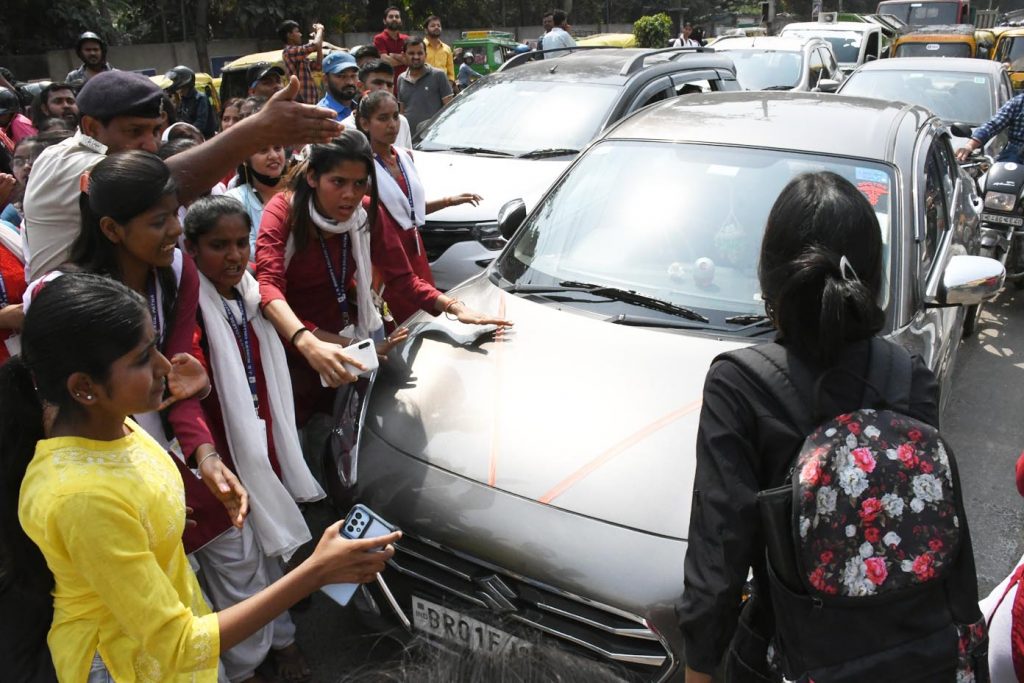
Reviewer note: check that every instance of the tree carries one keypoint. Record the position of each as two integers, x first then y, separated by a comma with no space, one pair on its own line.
653,31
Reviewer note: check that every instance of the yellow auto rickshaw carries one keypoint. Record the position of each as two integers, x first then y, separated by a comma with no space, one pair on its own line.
205,84
608,40
233,74
1009,50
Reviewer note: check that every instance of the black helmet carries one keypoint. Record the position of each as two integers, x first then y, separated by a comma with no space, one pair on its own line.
180,77
9,102
89,35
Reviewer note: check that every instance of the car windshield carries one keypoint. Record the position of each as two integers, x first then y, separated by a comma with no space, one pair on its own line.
515,117
845,44
953,96
760,69
1011,50
933,50
923,13
680,223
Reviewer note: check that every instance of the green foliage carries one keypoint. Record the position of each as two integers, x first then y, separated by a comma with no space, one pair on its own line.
653,31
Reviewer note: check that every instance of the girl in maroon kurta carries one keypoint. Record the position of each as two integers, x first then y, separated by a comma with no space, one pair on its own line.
12,288
129,232
402,198
319,249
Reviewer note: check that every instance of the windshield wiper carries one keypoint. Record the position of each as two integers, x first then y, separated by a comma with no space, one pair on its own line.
615,294
778,87
747,319
648,321
551,152
477,150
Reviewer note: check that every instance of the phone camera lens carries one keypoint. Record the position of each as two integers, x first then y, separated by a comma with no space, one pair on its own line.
359,515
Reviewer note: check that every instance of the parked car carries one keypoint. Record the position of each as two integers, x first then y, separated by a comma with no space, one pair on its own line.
776,63
542,477
958,90
509,135
853,42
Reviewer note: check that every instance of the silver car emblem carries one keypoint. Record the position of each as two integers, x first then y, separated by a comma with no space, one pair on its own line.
496,593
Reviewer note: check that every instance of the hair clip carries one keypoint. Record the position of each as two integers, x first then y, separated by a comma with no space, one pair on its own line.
846,270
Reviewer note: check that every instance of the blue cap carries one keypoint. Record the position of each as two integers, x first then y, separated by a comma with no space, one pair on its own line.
338,61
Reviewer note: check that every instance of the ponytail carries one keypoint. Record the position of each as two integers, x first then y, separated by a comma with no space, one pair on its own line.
21,426
821,266
79,322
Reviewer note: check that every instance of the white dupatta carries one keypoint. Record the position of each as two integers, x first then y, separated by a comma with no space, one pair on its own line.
275,517
396,201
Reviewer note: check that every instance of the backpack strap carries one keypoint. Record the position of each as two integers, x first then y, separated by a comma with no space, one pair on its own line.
772,366
890,370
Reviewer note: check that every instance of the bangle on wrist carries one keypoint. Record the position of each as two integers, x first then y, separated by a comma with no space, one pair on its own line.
296,333
206,394
448,309
213,454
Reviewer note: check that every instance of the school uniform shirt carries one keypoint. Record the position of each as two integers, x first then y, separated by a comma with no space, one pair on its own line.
12,271
108,516
211,404
745,444
305,284
415,252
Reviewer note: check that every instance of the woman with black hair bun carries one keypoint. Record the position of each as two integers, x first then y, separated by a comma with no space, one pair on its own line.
822,276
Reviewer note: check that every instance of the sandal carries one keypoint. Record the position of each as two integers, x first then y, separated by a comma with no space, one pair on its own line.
290,664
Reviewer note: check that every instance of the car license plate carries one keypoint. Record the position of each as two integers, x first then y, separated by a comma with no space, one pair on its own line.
1004,220
454,627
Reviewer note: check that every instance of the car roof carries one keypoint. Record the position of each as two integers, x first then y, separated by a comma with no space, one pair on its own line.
966,64
606,65
858,26
776,120
776,43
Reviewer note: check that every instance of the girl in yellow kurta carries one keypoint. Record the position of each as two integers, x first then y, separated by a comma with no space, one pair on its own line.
105,504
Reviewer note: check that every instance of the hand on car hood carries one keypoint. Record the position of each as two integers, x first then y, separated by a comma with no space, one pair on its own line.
564,408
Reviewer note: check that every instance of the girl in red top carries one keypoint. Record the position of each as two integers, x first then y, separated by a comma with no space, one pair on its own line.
12,289
319,250
402,198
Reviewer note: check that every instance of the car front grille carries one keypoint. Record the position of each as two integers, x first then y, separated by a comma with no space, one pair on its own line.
594,630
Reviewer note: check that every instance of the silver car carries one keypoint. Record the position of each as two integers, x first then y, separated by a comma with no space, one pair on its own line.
543,475
775,63
957,89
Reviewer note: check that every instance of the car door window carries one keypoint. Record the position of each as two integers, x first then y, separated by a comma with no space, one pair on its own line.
936,209
694,82
655,91
831,68
872,48
814,67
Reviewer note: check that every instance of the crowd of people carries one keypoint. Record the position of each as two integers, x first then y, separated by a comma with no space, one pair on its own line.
211,272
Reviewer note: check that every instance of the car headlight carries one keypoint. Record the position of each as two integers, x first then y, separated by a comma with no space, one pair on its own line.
1000,201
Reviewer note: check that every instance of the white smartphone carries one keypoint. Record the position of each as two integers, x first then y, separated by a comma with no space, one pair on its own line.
360,522
363,351
366,353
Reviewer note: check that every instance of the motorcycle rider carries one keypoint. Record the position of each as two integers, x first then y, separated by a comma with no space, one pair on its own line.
193,106
1009,115
92,50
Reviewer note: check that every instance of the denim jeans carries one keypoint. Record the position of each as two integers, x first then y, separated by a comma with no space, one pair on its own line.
1012,152
98,673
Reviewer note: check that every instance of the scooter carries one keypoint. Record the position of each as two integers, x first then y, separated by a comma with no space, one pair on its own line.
1002,217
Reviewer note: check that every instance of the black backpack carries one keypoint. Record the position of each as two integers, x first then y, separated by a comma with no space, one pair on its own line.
861,539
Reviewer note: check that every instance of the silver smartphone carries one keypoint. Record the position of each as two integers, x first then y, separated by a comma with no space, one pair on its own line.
360,522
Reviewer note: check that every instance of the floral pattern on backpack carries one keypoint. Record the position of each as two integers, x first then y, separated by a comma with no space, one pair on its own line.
875,505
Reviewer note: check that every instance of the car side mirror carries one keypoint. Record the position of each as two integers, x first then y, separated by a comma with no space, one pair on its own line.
510,216
960,130
827,85
968,281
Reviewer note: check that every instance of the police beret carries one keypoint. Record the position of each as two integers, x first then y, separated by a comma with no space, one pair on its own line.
120,93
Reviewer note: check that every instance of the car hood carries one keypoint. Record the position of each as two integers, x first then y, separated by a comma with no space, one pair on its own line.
565,409
496,179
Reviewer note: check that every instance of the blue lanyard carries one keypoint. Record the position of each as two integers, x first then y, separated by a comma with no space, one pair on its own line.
154,310
338,284
4,301
408,186
241,331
